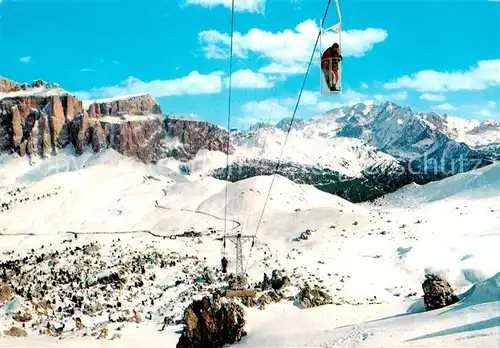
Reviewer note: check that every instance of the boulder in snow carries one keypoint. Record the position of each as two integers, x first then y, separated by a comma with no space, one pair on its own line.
437,292
278,280
212,323
308,297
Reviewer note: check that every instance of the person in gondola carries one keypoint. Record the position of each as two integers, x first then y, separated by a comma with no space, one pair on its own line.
224,264
331,56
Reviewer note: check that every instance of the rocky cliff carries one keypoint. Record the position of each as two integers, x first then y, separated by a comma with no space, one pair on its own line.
134,105
140,138
38,119
194,136
36,125
8,85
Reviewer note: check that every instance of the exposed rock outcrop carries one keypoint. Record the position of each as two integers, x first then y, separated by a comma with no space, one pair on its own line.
16,332
5,292
437,292
315,297
7,85
139,138
211,323
135,105
44,119
36,126
195,136
278,280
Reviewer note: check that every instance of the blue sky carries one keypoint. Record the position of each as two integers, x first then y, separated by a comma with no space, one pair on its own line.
442,55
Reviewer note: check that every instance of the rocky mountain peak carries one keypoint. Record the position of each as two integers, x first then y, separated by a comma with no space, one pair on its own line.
7,85
142,104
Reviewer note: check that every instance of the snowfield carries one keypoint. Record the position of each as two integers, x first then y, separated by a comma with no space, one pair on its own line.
371,258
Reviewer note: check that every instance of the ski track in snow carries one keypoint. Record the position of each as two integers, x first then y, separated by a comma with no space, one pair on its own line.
370,257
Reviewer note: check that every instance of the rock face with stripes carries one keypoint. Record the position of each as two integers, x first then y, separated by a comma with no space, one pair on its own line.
37,126
193,136
7,85
39,119
143,104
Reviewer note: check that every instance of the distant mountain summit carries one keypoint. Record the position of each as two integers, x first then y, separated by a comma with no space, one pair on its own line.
429,141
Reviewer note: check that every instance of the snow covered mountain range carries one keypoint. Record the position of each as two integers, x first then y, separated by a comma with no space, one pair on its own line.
358,152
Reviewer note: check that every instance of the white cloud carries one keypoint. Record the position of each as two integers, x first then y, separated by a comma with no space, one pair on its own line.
432,97
399,96
328,105
289,47
308,98
351,97
481,76
239,5
286,69
246,78
272,109
364,85
194,83
491,104
82,95
87,70
483,113
445,106
26,59
312,102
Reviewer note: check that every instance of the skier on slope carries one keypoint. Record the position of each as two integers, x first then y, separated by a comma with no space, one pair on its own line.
331,54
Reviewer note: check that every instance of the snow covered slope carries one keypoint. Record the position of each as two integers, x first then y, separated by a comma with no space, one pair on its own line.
348,156
476,184
371,259
473,133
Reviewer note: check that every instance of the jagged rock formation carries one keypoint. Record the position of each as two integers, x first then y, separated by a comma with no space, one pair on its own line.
8,85
194,136
36,125
278,280
140,139
211,323
135,105
490,151
45,119
308,298
423,139
5,292
437,292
